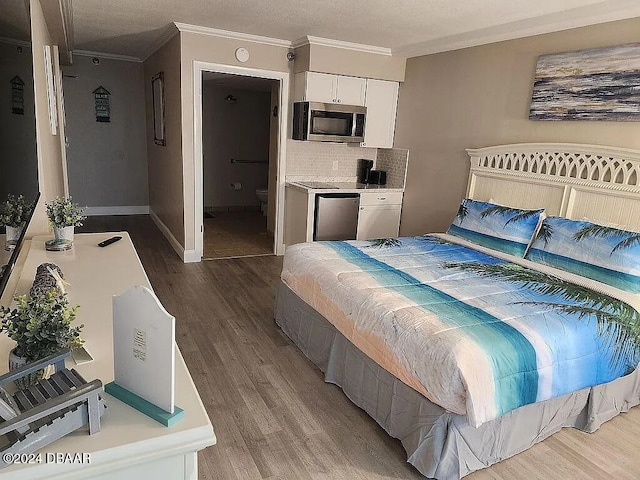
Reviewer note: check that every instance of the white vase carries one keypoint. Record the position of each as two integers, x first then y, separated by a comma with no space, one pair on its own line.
11,237
64,233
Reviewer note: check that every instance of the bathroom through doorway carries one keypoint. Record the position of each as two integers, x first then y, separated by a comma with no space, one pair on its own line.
239,163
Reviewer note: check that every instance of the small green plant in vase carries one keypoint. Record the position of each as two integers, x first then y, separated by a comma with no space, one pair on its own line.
64,216
41,326
14,212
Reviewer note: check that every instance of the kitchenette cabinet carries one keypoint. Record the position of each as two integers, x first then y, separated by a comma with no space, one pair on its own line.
379,96
379,215
328,88
381,100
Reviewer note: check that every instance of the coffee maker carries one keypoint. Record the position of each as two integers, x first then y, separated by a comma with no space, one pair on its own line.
364,169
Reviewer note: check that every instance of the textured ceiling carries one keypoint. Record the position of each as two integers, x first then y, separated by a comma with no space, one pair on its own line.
131,27
407,27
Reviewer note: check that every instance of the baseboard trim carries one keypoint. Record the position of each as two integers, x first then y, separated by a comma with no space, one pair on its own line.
118,210
187,256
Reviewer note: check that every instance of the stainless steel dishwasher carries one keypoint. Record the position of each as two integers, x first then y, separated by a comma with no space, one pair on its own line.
336,216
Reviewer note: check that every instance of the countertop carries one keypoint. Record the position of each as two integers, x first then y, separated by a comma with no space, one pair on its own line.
340,187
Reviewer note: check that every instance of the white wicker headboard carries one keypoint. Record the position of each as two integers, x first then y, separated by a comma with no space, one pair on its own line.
601,184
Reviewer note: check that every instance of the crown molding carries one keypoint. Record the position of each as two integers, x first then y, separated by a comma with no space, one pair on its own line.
247,37
327,42
604,12
108,56
169,32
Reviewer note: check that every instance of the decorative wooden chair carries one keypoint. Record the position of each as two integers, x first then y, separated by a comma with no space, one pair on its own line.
52,408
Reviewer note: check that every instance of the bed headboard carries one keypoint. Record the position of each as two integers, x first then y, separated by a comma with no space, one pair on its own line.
601,184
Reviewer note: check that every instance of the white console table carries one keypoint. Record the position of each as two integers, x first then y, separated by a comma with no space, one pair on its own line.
130,445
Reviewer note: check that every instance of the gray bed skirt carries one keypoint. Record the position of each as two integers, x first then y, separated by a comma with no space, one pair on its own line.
438,443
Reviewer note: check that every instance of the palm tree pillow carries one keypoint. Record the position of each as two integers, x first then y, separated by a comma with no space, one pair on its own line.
605,254
509,230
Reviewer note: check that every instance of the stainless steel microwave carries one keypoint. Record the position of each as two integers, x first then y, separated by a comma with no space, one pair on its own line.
327,122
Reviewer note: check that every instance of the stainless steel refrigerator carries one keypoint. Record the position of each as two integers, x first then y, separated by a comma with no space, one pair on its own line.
336,216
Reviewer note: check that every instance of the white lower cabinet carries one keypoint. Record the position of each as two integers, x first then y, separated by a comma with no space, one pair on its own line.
379,215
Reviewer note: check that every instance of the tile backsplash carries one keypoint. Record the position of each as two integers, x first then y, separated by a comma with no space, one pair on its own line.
394,161
314,161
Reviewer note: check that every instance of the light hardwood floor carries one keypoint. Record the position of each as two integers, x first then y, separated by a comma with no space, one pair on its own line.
274,416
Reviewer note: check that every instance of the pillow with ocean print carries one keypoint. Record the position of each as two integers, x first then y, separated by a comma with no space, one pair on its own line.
507,229
608,255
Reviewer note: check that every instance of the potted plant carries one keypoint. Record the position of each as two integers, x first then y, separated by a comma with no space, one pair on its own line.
41,326
64,216
14,212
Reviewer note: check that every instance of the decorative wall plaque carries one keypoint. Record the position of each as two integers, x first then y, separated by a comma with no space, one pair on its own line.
103,111
17,96
157,89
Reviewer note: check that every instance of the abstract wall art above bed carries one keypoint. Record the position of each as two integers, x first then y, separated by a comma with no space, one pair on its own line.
509,230
595,84
608,255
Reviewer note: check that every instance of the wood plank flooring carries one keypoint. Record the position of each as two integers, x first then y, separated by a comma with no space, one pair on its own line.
273,415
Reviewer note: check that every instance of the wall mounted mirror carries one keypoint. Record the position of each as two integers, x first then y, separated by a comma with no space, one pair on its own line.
18,160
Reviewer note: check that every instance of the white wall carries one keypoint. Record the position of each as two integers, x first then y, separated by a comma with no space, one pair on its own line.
107,162
237,130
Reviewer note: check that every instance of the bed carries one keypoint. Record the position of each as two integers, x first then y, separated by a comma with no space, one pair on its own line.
472,346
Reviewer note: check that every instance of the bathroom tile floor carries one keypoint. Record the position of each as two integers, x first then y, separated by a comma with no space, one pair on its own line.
236,234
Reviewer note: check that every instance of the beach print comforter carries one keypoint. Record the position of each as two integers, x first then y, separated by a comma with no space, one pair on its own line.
473,333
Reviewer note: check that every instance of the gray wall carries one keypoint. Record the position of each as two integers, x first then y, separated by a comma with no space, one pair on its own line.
237,130
107,162
478,97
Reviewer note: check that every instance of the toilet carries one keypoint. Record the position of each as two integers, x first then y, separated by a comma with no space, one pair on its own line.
262,195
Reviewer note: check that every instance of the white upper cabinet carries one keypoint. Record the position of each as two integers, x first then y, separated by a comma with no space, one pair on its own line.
327,88
382,103
317,87
350,90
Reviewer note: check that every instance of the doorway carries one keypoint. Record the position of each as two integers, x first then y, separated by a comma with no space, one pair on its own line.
237,131
239,145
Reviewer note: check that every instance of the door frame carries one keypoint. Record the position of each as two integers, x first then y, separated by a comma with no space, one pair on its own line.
283,77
